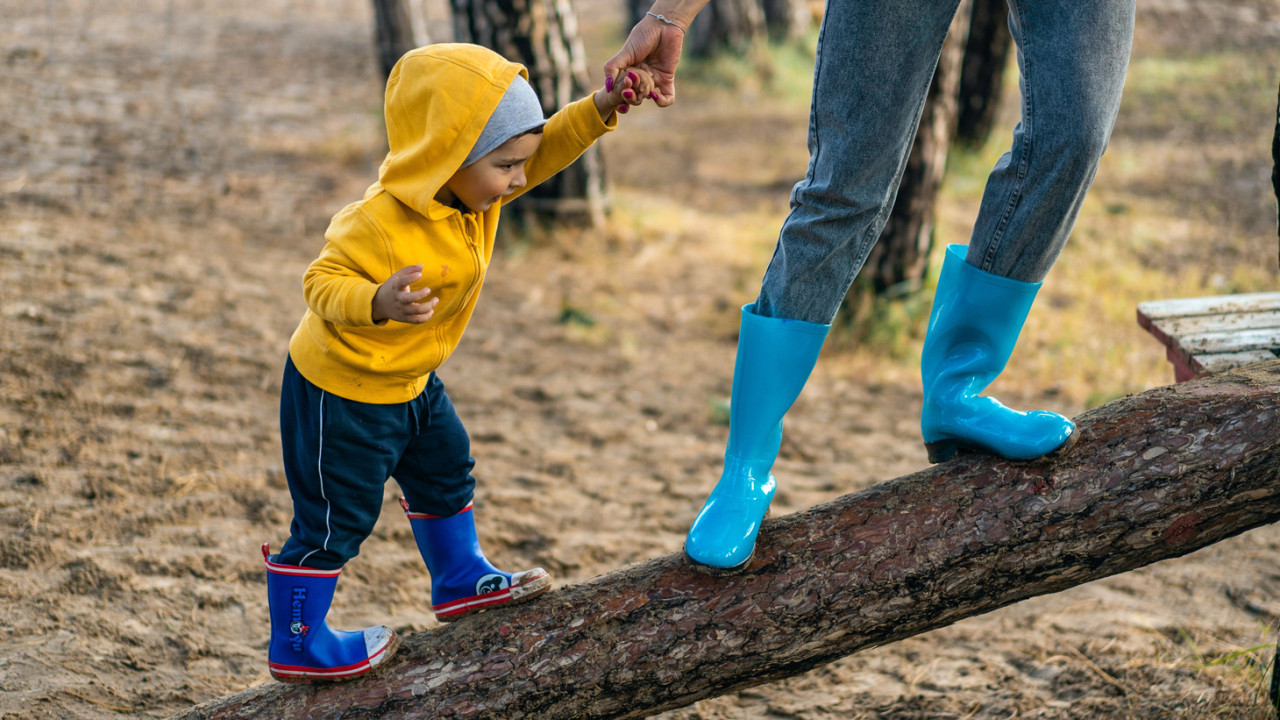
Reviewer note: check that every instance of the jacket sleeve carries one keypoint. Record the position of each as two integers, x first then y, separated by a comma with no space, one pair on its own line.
340,284
567,135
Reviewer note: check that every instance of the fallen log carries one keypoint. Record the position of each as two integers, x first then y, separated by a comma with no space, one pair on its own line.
1154,476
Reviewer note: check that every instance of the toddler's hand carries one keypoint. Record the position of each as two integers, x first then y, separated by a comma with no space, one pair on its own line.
632,87
395,301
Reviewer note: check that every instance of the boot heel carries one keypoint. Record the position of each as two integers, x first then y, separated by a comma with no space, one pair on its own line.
942,450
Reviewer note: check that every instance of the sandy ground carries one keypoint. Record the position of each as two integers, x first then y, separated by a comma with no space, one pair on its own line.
166,172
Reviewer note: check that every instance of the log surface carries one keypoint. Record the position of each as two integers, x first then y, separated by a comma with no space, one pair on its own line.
1154,476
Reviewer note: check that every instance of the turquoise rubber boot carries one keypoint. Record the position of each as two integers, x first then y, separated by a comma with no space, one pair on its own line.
775,357
973,327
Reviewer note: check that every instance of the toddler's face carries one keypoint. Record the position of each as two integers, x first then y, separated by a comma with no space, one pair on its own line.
494,176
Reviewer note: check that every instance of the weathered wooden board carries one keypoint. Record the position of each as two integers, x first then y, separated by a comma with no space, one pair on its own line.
1212,334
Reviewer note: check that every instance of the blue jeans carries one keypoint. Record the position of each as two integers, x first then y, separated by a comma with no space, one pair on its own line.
338,454
876,59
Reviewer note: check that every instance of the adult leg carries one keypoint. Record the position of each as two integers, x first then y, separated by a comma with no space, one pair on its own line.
1072,57
875,62
1072,60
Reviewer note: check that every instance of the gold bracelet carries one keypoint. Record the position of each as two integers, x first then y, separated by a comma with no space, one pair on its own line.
663,19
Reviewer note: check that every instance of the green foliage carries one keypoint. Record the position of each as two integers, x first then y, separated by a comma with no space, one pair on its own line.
570,315
719,410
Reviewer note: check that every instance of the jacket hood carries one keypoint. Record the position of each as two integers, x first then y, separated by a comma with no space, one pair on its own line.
438,99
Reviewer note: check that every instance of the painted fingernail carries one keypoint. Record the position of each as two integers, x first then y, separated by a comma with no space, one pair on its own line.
654,96
628,94
633,77
624,109
608,84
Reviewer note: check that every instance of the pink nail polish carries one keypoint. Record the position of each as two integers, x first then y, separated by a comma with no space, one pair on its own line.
633,77
608,84
627,94
653,96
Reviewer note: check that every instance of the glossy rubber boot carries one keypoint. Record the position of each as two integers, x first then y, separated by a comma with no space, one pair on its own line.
775,357
304,649
462,579
973,327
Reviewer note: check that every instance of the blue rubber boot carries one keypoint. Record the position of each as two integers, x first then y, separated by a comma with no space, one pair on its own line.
973,327
462,579
775,357
304,649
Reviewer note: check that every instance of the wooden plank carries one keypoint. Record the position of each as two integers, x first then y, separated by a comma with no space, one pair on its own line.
1183,366
1156,310
1150,326
1218,362
1211,334
1237,322
1230,341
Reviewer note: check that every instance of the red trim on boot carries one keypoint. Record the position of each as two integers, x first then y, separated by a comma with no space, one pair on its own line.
281,569
423,516
297,674
461,607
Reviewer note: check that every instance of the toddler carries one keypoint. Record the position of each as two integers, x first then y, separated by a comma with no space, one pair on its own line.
388,300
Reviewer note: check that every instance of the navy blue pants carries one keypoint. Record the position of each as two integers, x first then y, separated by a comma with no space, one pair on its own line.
338,454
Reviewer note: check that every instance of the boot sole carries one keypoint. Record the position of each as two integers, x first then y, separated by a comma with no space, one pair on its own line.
944,450
715,571
529,591
387,652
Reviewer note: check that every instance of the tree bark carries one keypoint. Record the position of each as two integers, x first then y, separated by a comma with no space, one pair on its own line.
1275,186
1275,162
733,25
899,260
787,19
543,36
986,55
395,32
1154,476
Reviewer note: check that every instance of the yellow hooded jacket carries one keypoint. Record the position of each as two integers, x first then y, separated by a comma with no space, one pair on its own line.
438,100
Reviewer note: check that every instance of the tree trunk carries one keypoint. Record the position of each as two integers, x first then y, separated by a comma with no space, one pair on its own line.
398,29
1275,186
787,19
1275,162
733,25
899,260
543,36
986,55
1154,476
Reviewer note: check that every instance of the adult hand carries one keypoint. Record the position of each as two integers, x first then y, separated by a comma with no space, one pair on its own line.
655,47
